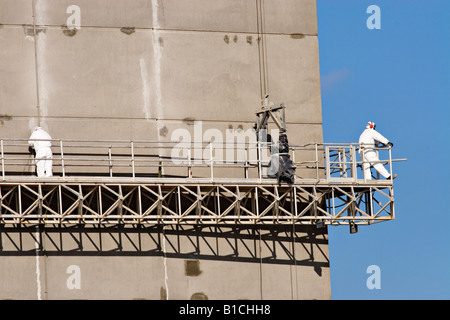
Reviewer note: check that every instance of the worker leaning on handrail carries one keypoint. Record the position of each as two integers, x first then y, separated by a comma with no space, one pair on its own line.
40,143
368,155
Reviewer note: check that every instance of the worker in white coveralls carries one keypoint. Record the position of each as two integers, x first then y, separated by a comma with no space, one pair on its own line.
40,142
368,140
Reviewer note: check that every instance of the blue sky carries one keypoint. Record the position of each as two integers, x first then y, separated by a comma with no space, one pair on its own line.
399,77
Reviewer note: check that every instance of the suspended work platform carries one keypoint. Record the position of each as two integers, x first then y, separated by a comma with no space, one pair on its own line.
132,187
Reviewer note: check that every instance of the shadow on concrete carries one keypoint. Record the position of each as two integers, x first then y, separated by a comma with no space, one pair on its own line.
287,244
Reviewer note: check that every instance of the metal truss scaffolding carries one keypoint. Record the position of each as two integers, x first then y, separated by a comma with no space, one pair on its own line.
123,182
163,202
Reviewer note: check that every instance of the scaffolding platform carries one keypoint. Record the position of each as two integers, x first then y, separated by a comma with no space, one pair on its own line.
335,195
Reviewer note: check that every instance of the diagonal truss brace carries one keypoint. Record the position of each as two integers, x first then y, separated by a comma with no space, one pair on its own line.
162,203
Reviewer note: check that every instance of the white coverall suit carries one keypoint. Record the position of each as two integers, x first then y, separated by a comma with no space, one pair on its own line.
43,150
369,155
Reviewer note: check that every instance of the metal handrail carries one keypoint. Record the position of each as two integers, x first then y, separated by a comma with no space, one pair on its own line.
332,161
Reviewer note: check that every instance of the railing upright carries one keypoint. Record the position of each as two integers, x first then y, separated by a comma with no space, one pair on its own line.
211,160
189,163
132,160
3,160
62,158
390,163
327,160
354,166
259,160
110,162
317,160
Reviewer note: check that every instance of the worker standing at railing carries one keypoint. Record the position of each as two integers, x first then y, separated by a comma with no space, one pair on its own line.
368,155
40,142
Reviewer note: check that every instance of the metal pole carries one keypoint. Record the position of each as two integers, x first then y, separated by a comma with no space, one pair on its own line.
317,161
110,161
189,164
295,205
132,159
378,157
390,162
371,203
60,206
259,160
246,162
327,157
3,160
211,159
354,167
62,158
20,200
392,201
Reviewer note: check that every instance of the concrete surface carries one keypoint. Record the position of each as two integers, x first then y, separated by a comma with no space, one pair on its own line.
223,262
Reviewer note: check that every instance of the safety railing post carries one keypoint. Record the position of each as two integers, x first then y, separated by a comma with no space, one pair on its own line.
211,160
246,162
390,163
353,161
110,161
317,161
327,159
160,167
378,157
133,170
293,154
343,163
62,158
361,153
189,163
3,159
259,160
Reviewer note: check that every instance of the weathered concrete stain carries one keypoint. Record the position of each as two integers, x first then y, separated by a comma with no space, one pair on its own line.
199,296
128,30
5,117
30,30
163,131
163,293
297,36
189,120
192,268
68,32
